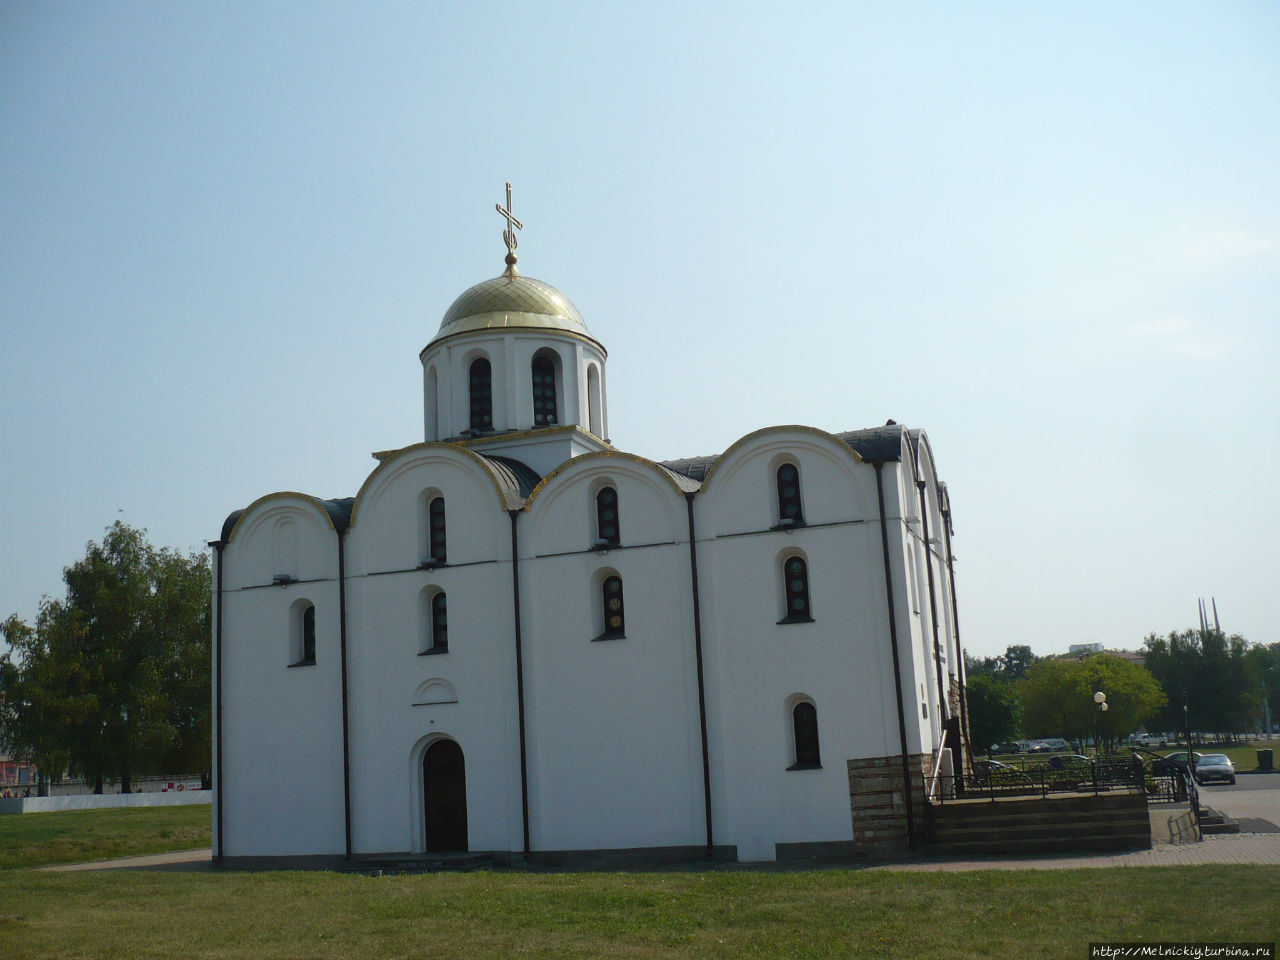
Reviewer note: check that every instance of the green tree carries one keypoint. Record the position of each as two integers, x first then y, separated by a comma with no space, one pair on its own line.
994,710
1217,677
1058,698
114,678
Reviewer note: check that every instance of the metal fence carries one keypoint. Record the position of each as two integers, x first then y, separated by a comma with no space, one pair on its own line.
1001,781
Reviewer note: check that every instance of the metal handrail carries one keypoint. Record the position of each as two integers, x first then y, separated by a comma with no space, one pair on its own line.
937,765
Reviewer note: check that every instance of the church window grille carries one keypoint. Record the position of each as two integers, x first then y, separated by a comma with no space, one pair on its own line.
608,530
438,628
804,730
614,609
436,531
544,392
790,509
795,585
481,382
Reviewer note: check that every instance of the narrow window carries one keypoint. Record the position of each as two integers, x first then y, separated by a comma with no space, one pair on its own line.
439,628
614,615
790,511
481,395
608,532
795,582
436,524
804,728
544,391
305,648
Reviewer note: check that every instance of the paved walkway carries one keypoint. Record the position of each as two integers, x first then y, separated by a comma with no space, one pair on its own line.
178,860
1259,848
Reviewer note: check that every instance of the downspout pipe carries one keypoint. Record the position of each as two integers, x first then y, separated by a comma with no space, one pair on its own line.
346,716
702,688
897,664
933,603
218,547
955,629
524,757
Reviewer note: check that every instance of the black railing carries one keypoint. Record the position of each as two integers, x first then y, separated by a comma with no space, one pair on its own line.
995,781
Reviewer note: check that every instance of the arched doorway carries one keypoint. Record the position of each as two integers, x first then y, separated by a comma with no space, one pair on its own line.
444,792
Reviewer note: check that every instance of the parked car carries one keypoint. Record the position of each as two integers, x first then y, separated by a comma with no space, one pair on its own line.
1040,747
1215,766
997,774
1174,762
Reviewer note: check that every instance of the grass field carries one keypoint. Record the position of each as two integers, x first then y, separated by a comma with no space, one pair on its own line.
33,839
730,914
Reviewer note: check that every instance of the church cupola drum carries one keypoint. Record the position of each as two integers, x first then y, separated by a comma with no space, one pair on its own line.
513,355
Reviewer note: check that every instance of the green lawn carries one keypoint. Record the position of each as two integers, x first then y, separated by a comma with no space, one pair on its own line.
32,839
729,914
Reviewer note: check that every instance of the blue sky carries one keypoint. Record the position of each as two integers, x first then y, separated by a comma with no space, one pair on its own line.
1047,233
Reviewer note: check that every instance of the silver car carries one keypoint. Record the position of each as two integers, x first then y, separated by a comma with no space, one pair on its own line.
1215,766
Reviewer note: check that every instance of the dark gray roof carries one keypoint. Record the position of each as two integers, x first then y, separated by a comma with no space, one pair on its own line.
695,468
519,478
876,444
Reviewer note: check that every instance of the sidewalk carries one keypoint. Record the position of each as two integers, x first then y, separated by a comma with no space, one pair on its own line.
177,860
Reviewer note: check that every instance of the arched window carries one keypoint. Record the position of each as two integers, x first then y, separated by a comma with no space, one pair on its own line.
436,537
544,391
436,632
804,730
795,589
790,510
608,531
595,423
481,382
615,621
302,634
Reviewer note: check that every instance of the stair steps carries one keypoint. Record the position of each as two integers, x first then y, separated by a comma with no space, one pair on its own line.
1042,825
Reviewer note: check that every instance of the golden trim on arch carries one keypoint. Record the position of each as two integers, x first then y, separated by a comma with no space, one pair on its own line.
428,445
550,331
604,455
280,495
857,458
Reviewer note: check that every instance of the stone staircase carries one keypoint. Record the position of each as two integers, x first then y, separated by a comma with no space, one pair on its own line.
1064,824
421,863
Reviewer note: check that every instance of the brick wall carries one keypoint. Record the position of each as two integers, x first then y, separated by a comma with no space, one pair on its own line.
878,802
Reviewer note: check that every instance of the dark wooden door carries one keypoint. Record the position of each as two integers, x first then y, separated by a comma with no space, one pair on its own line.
444,784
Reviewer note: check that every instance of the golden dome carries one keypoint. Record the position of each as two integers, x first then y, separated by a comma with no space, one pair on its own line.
511,301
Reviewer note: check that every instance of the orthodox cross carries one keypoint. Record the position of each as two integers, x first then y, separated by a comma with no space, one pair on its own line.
509,234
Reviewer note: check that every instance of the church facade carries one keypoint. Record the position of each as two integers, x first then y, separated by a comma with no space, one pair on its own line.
517,639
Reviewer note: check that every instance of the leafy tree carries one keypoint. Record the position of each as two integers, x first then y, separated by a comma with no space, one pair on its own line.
1218,678
114,678
1010,665
1057,698
994,710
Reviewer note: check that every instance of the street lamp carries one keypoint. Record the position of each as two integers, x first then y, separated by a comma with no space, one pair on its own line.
1100,699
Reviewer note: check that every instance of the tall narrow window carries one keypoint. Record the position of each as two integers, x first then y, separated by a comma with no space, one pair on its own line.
608,532
614,613
436,523
304,643
795,584
804,728
438,628
790,511
481,395
544,391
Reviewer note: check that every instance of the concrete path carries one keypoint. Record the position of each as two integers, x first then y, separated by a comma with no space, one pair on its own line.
177,860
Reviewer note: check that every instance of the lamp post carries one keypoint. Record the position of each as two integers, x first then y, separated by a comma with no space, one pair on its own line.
1100,699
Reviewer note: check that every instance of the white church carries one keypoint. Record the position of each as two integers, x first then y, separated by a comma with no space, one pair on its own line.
518,641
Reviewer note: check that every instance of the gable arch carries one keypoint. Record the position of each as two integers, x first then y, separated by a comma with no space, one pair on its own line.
435,690
406,459
637,481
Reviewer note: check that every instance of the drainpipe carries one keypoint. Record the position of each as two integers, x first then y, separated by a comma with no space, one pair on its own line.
897,667
933,604
697,649
524,760
955,628
346,719
218,546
